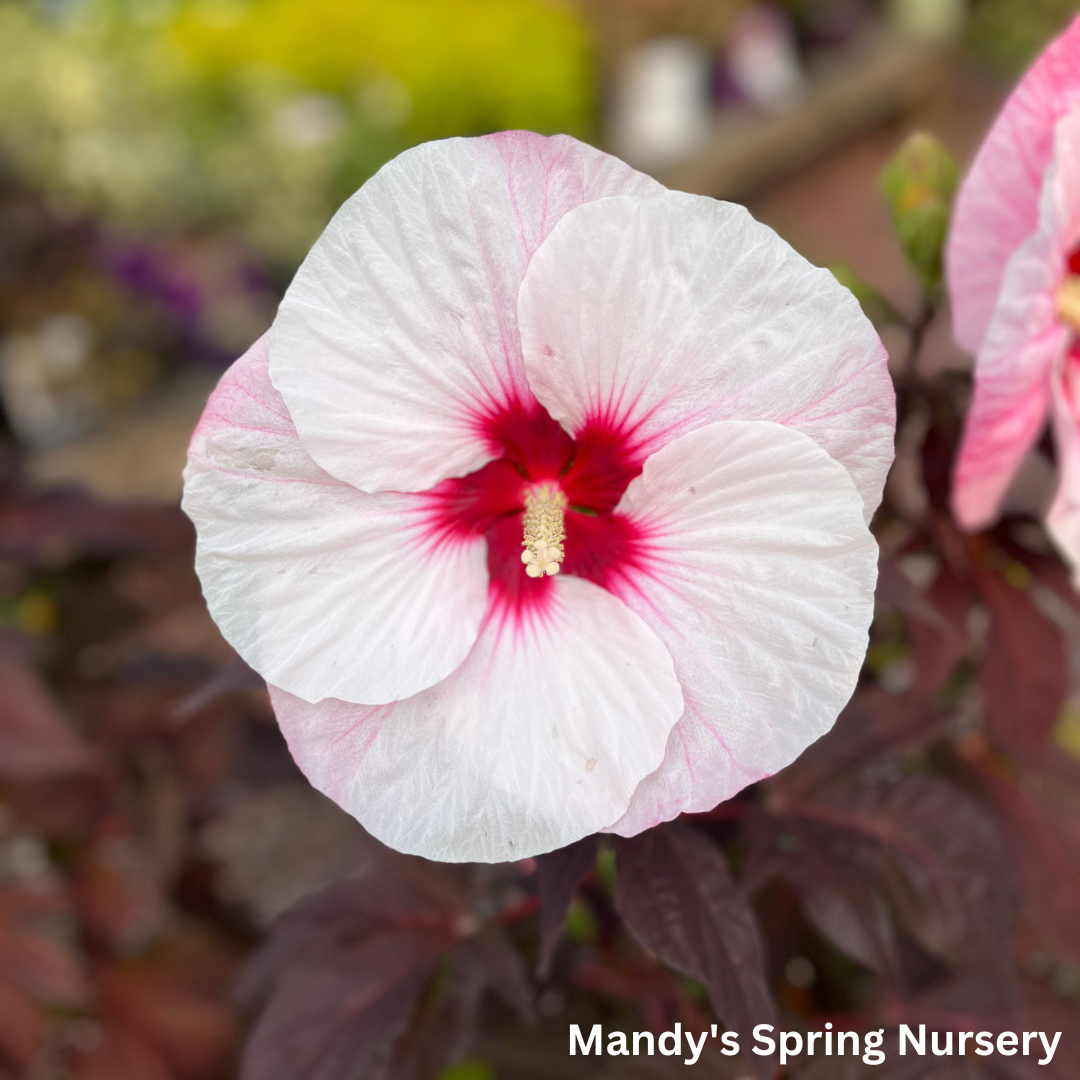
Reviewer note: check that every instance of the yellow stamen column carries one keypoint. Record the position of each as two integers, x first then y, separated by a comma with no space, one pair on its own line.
545,507
1068,302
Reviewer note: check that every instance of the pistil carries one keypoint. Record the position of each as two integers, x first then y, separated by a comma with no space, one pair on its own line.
545,507
1068,302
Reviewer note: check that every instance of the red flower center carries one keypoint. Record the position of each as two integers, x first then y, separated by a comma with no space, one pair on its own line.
592,470
1071,375
1073,358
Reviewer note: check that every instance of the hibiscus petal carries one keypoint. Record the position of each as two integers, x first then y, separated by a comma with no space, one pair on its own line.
398,335
997,206
1063,520
655,316
758,574
324,590
1013,372
538,739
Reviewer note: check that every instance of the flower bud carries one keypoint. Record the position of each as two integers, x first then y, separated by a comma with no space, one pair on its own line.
918,184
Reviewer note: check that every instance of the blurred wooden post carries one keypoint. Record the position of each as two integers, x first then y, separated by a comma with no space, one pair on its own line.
874,80
878,75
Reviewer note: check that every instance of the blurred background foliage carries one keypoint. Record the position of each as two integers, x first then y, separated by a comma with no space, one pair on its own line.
1009,34
267,114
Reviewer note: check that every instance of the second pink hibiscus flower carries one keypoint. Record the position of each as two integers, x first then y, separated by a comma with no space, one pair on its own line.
1013,262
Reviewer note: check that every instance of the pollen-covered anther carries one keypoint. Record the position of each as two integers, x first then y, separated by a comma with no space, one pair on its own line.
1068,302
545,507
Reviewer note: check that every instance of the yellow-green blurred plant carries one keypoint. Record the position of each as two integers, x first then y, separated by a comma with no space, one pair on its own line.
1011,33
442,67
918,183
267,113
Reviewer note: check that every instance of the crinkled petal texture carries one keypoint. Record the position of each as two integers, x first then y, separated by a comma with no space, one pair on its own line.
758,575
399,334
465,719
538,739
1024,341
323,589
997,207
659,315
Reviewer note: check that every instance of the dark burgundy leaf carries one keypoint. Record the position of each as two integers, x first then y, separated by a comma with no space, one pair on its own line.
389,892
1042,1007
920,1068
504,970
894,590
874,725
1046,569
834,1068
120,888
36,742
21,1026
938,451
1024,674
848,906
894,1068
558,874
677,899
54,527
117,1052
278,843
1045,857
641,981
164,999
443,1027
912,1066
937,647
331,1014
37,955
711,1064
344,968
940,861
236,677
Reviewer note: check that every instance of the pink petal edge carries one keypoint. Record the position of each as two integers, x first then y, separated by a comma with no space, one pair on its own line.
302,572
997,206
758,576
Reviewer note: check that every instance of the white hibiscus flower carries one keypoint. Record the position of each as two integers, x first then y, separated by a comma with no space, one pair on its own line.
543,505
